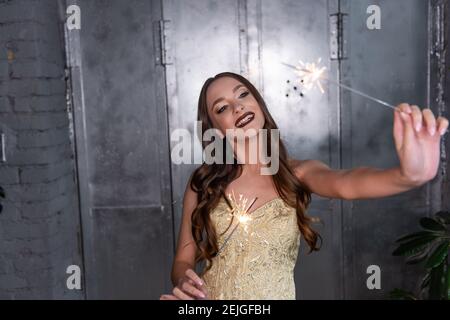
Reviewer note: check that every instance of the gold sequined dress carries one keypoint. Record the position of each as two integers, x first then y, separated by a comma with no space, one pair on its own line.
257,262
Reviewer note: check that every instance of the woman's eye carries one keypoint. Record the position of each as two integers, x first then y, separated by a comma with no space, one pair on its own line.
244,94
221,109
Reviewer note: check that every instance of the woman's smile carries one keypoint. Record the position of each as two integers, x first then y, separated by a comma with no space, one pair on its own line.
245,119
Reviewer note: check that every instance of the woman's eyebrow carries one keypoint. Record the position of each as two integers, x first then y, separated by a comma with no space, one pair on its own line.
222,98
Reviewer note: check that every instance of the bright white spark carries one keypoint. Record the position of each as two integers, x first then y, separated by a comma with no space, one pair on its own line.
240,208
310,74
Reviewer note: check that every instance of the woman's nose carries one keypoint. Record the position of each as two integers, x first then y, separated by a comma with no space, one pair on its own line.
238,107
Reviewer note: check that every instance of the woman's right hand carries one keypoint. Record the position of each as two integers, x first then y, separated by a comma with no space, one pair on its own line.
189,287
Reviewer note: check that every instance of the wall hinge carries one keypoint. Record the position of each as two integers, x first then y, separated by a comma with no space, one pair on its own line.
2,147
337,40
163,54
8,143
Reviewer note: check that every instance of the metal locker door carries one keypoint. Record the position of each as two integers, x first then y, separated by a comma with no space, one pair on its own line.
202,38
122,151
308,120
389,63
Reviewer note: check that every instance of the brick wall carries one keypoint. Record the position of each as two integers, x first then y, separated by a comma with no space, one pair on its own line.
40,219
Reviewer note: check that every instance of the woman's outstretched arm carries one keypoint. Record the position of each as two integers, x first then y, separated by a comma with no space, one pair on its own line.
352,184
417,140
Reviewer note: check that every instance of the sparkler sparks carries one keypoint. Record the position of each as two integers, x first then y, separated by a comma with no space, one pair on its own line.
311,73
240,208
240,211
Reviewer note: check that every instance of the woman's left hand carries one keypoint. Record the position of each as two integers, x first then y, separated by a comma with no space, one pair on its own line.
417,141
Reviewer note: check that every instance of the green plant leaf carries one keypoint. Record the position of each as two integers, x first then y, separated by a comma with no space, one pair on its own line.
417,258
414,236
431,224
436,282
425,280
438,255
446,287
400,294
414,246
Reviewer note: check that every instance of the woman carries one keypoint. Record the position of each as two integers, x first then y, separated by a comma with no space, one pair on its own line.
256,261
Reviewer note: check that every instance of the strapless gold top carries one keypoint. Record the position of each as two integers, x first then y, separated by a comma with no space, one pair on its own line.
257,261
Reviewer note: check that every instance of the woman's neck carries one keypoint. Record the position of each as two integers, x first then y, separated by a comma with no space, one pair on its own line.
251,169
248,153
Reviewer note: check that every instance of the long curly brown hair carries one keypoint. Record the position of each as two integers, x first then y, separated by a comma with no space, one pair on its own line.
210,181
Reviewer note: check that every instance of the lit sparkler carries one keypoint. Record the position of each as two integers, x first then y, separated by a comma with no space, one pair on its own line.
312,73
240,211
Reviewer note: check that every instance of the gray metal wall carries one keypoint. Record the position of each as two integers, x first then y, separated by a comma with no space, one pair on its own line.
122,149
129,56
390,63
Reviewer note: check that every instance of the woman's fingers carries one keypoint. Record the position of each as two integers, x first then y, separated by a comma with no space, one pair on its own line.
405,126
193,291
417,118
442,124
192,275
197,280
168,297
406,108
430,121
408,131
181,295
397,130
414,118
202,287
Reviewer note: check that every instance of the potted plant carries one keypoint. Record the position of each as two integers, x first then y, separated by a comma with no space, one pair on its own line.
429,247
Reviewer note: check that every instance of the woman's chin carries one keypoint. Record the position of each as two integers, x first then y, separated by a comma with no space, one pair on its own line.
245,132
251,133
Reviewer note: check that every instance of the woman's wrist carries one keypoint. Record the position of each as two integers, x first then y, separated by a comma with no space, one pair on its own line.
179,271
405,180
